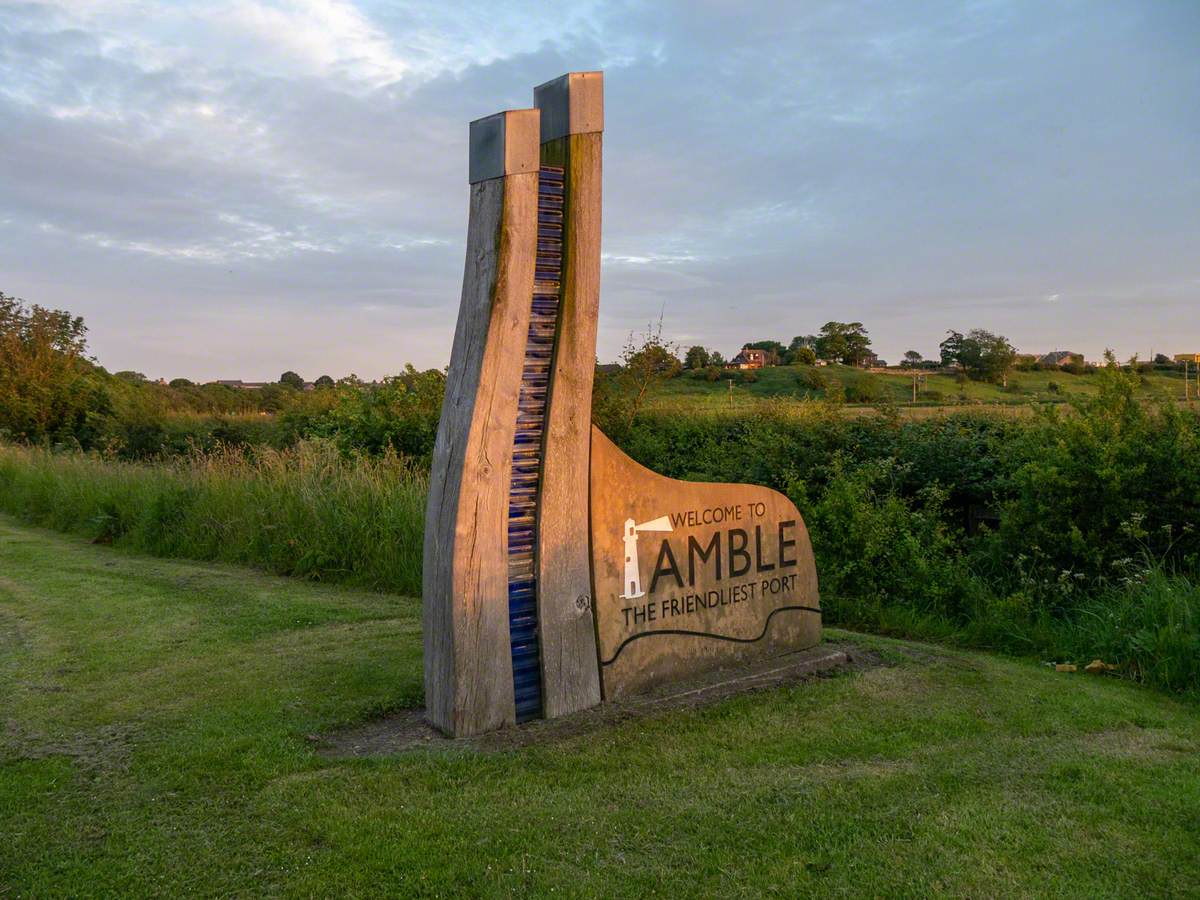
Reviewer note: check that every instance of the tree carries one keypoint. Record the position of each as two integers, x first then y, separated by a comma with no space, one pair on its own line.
913,358
716,359
1161,359
181,383
644,366
804,356
697,358
951,349
324,381
981,355
831,345
803,340
845,342
48,387
800,351
291,379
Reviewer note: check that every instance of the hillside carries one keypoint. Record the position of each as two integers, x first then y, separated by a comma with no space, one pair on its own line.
896,386
158,739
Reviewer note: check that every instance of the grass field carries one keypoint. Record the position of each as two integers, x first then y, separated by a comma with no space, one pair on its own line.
896,387
153,741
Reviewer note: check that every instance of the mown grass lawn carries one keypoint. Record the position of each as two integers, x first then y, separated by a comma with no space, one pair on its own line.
153,723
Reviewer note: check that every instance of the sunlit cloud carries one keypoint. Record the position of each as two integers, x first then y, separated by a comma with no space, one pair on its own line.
298,167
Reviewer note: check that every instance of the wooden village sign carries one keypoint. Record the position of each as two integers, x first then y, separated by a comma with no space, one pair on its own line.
559,572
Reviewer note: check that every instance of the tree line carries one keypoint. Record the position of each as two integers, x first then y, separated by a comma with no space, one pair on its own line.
981,354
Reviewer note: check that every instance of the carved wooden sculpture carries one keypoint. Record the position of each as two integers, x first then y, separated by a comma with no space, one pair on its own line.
557,570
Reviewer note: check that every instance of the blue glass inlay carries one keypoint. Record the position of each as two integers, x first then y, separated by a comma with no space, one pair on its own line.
524,489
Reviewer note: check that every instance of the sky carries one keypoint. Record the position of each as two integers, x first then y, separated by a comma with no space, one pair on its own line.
234,188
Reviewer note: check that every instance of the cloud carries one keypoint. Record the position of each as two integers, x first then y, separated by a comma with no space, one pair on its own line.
273,183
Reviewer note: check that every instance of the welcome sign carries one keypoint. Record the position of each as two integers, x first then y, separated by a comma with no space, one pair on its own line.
690,576
557,571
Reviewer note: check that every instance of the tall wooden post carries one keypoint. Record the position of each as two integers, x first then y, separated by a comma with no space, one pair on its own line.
534,589
468,667
572,124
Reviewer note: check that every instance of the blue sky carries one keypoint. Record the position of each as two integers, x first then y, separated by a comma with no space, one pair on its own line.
234,188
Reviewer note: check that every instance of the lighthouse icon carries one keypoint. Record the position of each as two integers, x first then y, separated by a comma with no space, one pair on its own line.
633,572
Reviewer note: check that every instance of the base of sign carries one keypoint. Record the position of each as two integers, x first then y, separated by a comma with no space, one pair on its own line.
410,730
764,674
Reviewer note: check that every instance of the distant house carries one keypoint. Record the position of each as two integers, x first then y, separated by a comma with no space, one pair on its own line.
244,385
871,360
1061,358
749,358
1187,357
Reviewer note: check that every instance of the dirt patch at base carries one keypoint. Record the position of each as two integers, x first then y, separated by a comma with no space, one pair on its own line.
407,731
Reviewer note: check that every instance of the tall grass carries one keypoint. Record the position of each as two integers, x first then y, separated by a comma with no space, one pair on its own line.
309,511
1150,624
1069,504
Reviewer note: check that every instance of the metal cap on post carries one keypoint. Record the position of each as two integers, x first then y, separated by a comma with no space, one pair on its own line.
571,104
504,144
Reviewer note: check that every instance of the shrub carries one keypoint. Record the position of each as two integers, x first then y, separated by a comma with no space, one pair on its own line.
879,553
888,502
866,390
810,379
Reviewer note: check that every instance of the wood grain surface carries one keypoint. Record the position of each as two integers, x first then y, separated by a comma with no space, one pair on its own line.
570,675
468,666
719,573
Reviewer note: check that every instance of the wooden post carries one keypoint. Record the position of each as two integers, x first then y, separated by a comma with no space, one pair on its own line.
468,666
522,629
572,110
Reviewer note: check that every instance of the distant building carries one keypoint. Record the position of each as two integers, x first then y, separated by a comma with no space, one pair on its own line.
871,360
1187,357
749,358
1061,358
257,385
244,385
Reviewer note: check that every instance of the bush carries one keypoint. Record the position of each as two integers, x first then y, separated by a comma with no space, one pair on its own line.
400,415
888,501
708,373
866,390
810,379
883,559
